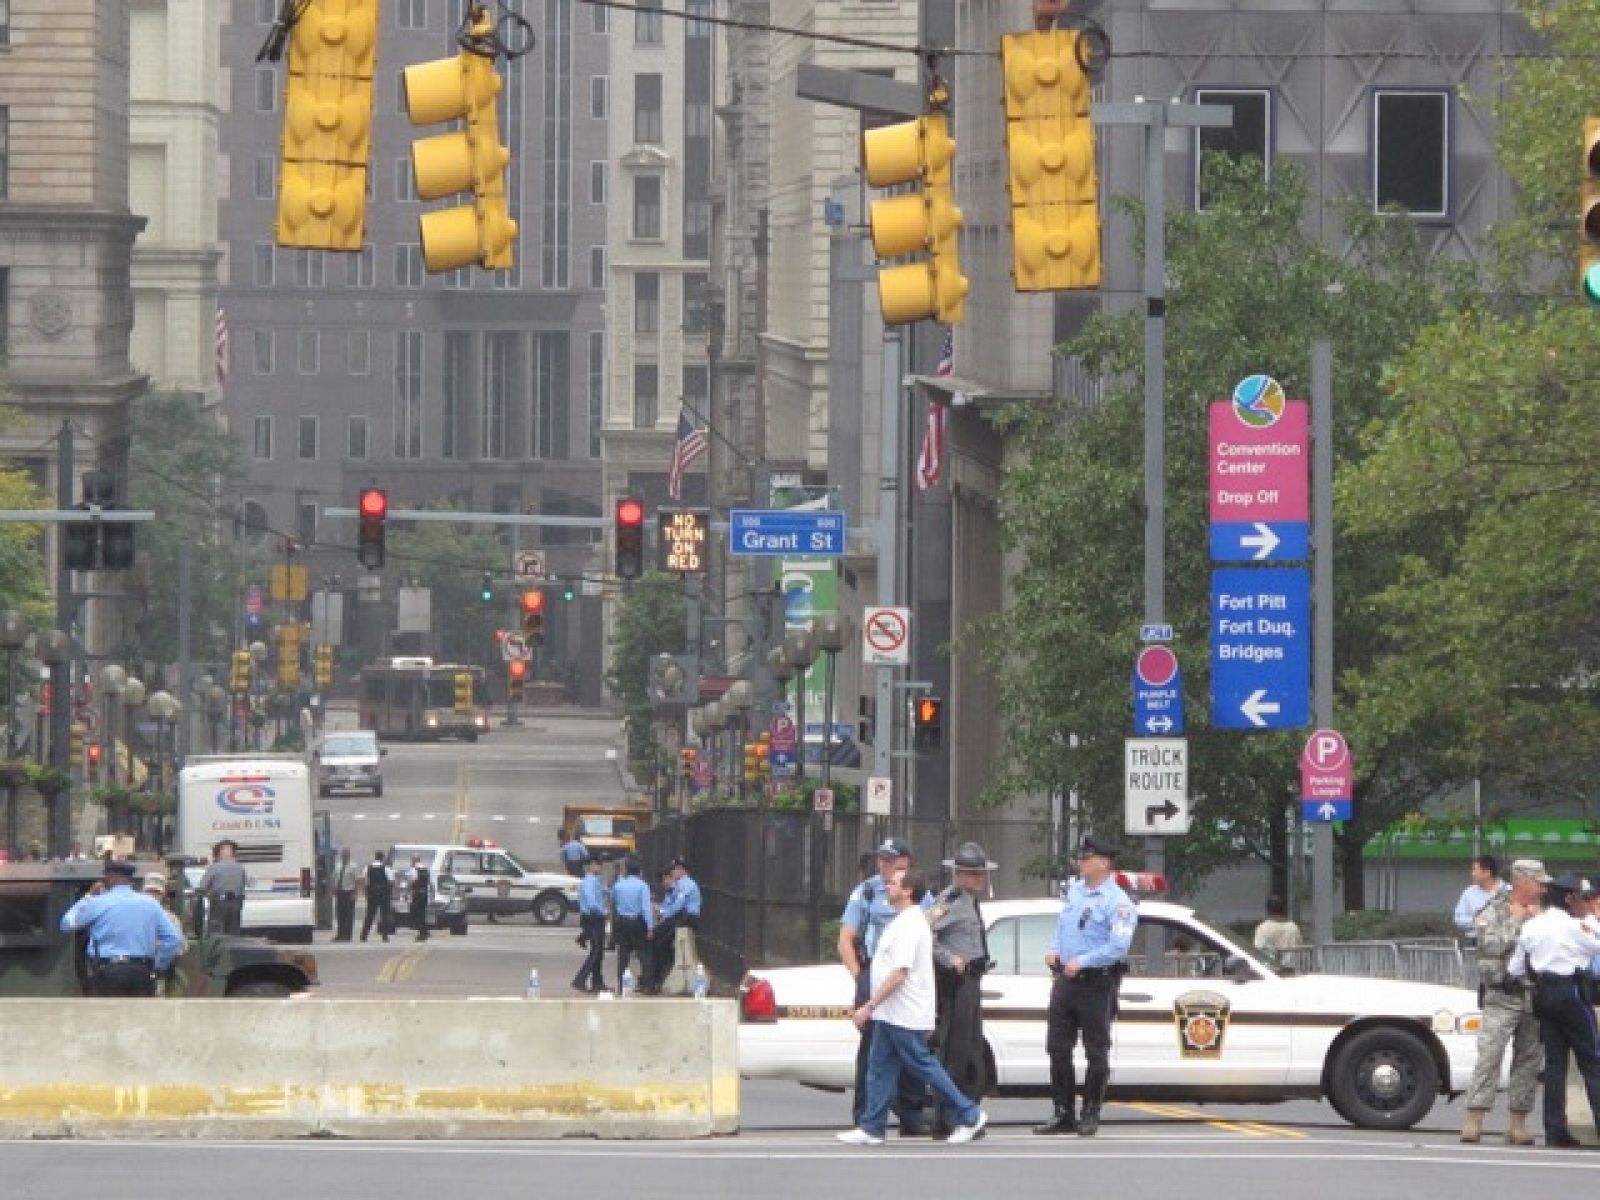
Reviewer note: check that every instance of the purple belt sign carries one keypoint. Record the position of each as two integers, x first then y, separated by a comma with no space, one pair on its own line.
1260,481
1327,778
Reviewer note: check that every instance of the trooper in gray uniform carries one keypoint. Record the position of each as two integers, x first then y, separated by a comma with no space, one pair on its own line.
960,958
223,886
1507,1005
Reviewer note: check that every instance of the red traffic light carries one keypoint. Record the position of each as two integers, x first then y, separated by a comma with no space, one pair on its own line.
630,511
533,601
517,668
374,503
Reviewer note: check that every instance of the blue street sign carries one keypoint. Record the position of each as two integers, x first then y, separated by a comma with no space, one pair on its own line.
1155,633
1261,648
1260,541
1157,693
786,532
1327,810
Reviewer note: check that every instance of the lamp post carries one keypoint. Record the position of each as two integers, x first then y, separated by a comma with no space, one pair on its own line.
113,682
164,708
833,633
13,633
55,650
800,651
714,725
738,701
258,655
216,709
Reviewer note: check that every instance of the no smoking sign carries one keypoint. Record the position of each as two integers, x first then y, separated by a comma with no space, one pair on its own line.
886,637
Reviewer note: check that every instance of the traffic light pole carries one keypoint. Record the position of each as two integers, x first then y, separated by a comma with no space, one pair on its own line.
59,840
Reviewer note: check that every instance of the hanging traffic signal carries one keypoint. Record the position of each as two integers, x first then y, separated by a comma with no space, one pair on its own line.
327,125
288,657
1055,216
372,510
928,723
1589,214
463,691
686,758
923,221
486,588
324,667
239,672
630,537
516,675
96,543
752,763
464,89
533,616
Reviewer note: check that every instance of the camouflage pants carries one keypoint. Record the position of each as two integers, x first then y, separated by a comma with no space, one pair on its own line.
1503,1023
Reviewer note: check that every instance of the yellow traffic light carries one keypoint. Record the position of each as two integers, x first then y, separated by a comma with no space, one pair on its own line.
239,672
327,125
752,763
324,675
462,88
1589,213
463,689
927,220
1055,205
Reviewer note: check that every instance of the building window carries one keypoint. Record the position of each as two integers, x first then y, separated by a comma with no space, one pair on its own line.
602,19
5,141
597,268
494,412
597,391
266,11
597,182
647,206
265,260
1249,137
308,351
310,268
647,23
697,229
358,270
359,352
405,184
408,265
459,280
646,302
266,174
306,526
552,431
309,434
5,22
647,110
261,440
646,395
694,28
457,390
261,357
599,97
355,439
412,14
556,183
1411,152
408,393
266,90
5,308
697,391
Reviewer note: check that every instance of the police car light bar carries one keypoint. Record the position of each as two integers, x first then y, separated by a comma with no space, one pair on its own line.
1142,883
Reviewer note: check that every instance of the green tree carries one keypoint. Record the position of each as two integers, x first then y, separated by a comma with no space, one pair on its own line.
23,585
650,620
450,561
1072,508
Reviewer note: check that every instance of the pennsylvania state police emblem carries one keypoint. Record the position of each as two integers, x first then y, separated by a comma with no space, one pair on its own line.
1202,1020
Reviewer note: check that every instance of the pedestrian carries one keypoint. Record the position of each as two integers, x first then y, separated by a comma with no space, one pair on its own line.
380,898
902,1007
421,892
223,886
867,913
130,939
1484,870
1556,951
1277,932
346,879
634,918
1088,959
593,902
1507,1007
573,852
672,940
960,959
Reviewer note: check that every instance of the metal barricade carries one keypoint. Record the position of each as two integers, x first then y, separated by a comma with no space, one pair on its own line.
1370,960
1431,964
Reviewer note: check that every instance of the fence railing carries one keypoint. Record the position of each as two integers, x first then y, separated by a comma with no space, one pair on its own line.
1424,960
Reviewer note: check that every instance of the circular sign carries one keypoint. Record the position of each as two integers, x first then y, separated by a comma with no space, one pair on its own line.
1258,401
1326,750
886,631
1157,666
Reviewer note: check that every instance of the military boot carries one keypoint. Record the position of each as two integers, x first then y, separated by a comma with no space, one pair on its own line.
1062,1085
1061,1122
1472,1127
1517,1134
1094,1095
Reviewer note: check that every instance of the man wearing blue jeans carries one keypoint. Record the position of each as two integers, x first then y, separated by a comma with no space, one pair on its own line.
903,1007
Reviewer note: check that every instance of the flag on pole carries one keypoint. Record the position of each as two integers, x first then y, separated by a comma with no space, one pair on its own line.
691,444
222,345
930,458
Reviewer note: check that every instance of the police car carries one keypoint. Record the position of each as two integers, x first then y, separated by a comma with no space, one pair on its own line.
1200,1020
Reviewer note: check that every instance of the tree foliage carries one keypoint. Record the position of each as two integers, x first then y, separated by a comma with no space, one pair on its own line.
651,620
23,585
450,560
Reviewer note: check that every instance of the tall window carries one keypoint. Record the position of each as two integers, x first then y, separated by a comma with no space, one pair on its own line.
261,439
308,351
358,352
647,206
5,142
457,389
408,265
405,181
597,182
599,97
697,228
494,411
408,393
602,19
309,434
597,267
1411,151
647,110
306,526
412,14
646,395
355,439
265,261
266,11
266,89
646,302
5,309
555,260
262,347
1250,135
552,432
697,391
266,172
310,268
597,391
647,24
358,270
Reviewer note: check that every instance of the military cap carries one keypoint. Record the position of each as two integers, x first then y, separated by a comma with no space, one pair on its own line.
1096,845
894,848
971,857
1530,868
155,882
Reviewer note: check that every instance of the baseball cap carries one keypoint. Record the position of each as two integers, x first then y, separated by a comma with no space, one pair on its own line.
894,848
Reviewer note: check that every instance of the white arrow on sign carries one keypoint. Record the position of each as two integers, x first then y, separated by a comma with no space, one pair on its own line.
1327,812
1256,707
1159,724
1263,541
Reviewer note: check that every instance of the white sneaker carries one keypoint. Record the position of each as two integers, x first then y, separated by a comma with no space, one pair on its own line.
963,1134
859,1137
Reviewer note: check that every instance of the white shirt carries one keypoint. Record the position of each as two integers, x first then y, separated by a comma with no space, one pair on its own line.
908,943
1554,942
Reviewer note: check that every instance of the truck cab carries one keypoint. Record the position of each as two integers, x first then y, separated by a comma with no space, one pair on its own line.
607,833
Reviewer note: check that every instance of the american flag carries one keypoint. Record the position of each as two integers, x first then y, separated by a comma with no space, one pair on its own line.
222,345
930,458
691,444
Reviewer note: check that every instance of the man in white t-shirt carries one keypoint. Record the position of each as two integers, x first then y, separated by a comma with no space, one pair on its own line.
904,1007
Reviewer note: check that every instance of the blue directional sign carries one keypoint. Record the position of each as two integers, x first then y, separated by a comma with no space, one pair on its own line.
1261,648
1327,810
786,532
1260,541
1157,694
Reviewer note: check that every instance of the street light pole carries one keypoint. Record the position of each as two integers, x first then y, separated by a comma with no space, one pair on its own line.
833,633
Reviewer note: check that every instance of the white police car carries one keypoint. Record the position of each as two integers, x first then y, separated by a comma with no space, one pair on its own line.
1199,1020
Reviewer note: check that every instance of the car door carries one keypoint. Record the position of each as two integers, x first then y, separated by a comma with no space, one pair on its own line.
467,868
1016,998
508,881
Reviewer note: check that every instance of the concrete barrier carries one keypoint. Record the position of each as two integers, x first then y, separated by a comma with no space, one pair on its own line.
494,1068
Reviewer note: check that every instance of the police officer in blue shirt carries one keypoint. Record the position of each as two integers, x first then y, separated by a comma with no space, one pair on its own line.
1087,958
574,854
130,939
680,909
630,901
593,901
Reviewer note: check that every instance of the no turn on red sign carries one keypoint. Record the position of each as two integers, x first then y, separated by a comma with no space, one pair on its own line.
886,637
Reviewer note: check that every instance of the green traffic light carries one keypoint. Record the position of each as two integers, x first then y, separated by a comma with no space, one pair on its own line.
1591,286
566,594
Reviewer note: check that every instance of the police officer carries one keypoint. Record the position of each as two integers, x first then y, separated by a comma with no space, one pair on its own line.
1555,950
630,900
1088,959
1507,1006
867,914
130,939
680,909
960,958
574,854
593,901
223,886
380,896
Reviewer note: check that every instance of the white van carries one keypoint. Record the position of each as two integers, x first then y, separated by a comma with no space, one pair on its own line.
262,803
350,759
495,883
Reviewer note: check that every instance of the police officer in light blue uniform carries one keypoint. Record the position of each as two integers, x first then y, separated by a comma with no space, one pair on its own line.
635,918
680,909
1087,958
593,900
130,939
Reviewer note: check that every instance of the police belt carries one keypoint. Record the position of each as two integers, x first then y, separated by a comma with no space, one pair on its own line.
125,958
1099,974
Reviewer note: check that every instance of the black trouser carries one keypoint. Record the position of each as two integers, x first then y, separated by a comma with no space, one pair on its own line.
344,912
591,976
662,951
908,1097
958,1036
1566,1026
419,915
127,977
1085,1007
631,941
377,910
226,910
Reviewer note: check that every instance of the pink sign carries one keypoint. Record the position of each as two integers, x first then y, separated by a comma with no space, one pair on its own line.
1326,769
1259,461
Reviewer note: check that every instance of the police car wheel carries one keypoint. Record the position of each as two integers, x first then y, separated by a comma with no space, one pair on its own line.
1384,1079
550,908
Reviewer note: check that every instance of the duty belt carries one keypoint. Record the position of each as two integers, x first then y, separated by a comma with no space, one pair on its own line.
126,958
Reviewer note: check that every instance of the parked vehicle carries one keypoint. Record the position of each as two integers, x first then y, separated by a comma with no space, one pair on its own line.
493,882
606,833
350,760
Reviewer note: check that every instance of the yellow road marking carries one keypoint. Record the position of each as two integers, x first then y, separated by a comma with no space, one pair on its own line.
386,972
458,828
1253,1128
401,967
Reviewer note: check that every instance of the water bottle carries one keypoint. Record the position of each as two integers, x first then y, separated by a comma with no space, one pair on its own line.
628,985
702,985
533,983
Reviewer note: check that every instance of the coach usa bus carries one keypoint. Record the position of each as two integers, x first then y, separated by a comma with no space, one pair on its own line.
420,700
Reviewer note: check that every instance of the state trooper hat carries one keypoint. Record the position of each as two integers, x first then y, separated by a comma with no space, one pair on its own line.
123,869
971,857
1096,845
894,848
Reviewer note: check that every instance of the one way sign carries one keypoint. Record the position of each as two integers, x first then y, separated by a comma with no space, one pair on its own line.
1156,786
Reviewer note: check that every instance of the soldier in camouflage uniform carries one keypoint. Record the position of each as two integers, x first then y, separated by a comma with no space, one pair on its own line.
1507,1007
